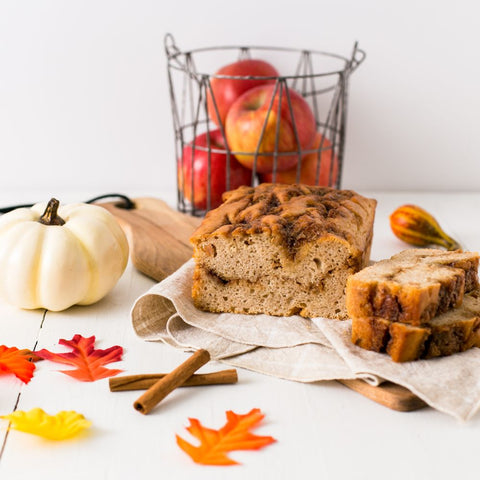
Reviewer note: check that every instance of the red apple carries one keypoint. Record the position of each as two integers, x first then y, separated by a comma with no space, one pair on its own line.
195,160
308,169
245,122
227,90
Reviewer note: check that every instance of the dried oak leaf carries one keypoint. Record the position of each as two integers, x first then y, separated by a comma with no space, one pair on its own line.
61,426
89,361
18,362
234,435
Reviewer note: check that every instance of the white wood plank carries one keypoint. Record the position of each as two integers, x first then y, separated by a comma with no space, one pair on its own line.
18,328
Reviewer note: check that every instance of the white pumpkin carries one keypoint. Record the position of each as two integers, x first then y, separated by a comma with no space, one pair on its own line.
75,256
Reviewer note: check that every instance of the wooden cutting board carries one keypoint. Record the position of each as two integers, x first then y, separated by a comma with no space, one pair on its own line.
159,244
158,235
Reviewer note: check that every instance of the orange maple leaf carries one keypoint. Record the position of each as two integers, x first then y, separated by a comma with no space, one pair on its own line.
89,361
234,435
18,362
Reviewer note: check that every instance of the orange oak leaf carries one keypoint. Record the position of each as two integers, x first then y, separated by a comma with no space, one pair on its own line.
18,362
234,435
89,361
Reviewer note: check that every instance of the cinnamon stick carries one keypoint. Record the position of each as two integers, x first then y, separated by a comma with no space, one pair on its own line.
145,381
161,388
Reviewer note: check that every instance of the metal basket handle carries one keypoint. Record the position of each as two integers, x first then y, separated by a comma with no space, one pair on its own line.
357,58
171,48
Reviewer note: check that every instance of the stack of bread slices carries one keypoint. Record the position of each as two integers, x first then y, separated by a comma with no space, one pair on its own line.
420,303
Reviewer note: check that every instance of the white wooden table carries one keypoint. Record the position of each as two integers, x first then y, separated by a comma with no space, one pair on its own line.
324,430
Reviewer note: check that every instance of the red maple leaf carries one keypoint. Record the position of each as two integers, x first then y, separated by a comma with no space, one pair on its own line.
18,362
234,435
89,361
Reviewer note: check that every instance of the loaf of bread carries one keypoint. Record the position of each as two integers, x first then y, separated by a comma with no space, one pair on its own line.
452,332
413,286
281,250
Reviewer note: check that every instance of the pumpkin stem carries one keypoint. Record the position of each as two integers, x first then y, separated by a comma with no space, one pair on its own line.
50,216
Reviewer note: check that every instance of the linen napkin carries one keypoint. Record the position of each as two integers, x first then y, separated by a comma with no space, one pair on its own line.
299,349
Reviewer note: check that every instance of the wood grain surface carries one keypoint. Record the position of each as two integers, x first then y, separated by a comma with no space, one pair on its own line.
157,234
388,394
159,244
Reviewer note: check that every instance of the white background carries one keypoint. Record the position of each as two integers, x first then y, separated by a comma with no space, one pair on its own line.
84,101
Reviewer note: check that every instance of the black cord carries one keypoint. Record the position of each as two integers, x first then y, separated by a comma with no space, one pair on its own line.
127,202
9,209
127,205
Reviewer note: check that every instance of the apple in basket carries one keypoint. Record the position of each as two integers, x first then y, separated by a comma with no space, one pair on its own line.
251,125
310,164
227,90
193,166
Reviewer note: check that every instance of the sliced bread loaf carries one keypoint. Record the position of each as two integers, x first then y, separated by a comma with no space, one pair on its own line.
454,331
281,250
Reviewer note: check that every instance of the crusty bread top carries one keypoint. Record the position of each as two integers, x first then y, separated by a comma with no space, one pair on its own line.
420,267
436,256
293,214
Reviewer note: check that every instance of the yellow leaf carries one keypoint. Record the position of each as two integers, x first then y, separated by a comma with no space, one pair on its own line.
61,426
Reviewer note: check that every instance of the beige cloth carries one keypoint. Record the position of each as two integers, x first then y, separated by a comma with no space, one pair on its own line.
299,349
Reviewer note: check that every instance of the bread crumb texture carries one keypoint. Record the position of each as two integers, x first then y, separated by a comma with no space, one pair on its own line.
452,332
281,250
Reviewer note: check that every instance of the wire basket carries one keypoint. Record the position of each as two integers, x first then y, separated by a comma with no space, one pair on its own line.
207,165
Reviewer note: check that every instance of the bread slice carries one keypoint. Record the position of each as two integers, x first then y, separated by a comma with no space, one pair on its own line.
451,332
413,286
467,261
281,250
